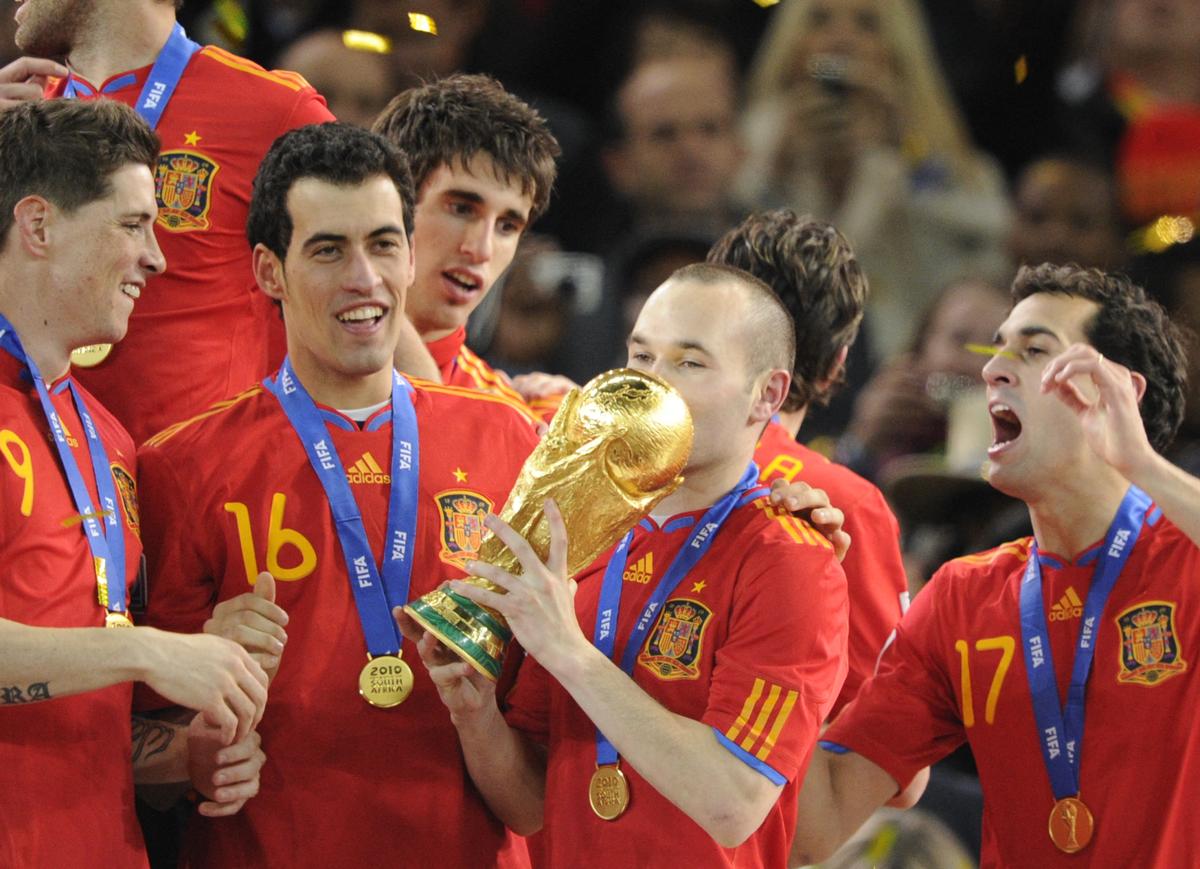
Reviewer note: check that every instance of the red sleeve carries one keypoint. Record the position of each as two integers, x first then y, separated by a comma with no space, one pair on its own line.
877,585
309,108
907,717
782,663
528,704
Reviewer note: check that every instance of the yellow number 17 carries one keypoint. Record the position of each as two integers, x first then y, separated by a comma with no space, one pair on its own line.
1006,647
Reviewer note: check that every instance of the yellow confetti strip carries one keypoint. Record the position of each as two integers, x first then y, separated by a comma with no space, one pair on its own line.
989,350
83,517
765,3
365,40
1021,69
422,23
1165,232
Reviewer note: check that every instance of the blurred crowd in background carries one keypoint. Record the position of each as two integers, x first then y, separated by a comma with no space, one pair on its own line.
950,140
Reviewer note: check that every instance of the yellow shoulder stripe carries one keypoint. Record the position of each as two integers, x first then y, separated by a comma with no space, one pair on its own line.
1019,549
220,407
796,528
292,81
466,392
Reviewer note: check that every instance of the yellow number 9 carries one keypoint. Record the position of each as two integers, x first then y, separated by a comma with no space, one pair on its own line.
22,467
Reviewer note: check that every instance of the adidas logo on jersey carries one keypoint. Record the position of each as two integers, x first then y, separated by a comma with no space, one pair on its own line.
1069,606
642,571
367,470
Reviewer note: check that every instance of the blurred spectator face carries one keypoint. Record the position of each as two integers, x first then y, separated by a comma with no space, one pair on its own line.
355,84
419,56
680,150
533,313
1066,212
968,313
1150,28
843,28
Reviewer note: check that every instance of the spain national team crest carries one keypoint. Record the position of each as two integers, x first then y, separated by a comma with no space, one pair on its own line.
462,515
183,184
674,645
127,491
1150,651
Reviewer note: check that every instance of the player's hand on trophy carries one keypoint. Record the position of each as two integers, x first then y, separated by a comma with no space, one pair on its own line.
225,775
211,675
540,603
812,505
25,79
255,622
465,691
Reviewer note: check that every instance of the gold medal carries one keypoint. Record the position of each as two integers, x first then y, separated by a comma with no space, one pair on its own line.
90,355
1071,825
386,681
608,792
117,620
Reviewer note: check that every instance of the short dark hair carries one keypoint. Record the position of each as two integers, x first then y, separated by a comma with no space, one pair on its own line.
449,121
66,152
1129,328
338,153
772,337
812,269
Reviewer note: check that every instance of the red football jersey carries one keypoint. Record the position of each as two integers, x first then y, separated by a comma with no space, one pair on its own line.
67,795
719,653
957,672
200,332
875,578
461,367
232,493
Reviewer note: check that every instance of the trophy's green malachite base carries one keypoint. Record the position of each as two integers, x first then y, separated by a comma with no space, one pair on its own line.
474,633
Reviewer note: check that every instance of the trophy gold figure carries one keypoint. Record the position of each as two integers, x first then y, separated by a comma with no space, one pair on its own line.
613,451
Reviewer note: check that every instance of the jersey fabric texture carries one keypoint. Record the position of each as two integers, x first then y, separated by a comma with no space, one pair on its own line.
233,493
957,672
201,331
460,366
67,795
752,642
875,577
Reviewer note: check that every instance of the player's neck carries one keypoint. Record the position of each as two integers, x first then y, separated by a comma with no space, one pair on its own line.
49,351
336,390
1071,517
703,487
118,40
431,335
792,420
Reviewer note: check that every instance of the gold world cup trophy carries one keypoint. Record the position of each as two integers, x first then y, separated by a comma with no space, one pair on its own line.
613,451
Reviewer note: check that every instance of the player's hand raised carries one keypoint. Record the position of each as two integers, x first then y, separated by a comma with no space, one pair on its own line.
25,79
255,622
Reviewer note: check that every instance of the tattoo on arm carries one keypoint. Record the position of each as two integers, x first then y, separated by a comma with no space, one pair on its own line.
13,694
150,738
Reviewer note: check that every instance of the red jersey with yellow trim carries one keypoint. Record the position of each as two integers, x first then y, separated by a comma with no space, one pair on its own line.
233,493
200,331
752,643
957,672
67,794
459,366
875,578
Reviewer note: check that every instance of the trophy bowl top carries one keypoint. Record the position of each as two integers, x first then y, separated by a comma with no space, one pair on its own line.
651,423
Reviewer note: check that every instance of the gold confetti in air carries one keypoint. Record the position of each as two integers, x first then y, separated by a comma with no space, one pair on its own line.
1021,69
365,40
83,517
1163,233
989,350
422,23
765,3
232,20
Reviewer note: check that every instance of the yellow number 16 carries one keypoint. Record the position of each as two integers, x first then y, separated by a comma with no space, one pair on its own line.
277,538
1005,646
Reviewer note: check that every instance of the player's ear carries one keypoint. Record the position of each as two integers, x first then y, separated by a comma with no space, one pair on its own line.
771,390
33,217
268,271
1139,385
